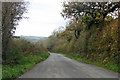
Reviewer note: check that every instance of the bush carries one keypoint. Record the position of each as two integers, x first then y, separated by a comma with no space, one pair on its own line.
21,56
18,48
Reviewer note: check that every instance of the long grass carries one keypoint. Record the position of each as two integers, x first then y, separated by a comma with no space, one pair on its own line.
12,72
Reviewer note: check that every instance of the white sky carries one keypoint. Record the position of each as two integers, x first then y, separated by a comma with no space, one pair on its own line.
44,17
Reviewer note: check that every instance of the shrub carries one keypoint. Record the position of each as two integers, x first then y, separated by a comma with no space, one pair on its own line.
18,48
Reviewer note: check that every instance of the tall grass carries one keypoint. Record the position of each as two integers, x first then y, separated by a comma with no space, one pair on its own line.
12,72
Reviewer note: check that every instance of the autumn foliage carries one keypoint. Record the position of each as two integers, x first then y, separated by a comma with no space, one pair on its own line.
85,38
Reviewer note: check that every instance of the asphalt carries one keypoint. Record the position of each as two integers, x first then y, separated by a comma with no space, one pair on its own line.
59,66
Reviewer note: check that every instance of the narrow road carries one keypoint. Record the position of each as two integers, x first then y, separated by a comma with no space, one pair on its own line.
59,66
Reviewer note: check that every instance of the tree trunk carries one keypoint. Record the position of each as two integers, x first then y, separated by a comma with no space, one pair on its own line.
119,39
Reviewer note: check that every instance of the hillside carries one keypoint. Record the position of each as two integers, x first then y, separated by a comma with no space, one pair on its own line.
32,39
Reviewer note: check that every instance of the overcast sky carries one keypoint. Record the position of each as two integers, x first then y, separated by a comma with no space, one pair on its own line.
44,17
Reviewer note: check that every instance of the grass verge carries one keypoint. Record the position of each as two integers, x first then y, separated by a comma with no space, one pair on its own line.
12,72
0,71
109,66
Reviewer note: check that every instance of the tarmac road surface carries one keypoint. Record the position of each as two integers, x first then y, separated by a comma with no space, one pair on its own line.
59,66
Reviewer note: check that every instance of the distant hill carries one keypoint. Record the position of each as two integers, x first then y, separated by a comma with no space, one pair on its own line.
32,39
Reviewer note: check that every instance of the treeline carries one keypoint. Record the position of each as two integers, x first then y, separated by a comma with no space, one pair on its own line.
18,55
12,13
91,34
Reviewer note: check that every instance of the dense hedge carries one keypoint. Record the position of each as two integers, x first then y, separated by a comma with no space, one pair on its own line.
98,44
